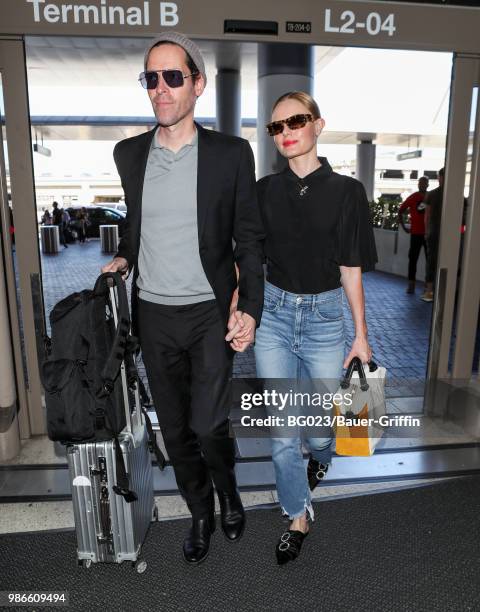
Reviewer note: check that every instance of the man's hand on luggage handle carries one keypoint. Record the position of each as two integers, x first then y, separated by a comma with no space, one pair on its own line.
118,264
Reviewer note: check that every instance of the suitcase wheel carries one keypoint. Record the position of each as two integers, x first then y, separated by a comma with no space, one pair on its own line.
139,565
155,513
84,563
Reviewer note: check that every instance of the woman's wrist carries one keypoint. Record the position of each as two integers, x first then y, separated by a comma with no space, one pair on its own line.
362,334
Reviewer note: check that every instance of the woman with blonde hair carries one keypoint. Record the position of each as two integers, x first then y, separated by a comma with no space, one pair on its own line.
318,239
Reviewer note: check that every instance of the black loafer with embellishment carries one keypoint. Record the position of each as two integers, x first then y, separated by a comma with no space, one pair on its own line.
315,472
289,546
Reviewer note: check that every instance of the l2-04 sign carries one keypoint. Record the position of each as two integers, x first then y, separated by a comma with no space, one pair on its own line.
346,23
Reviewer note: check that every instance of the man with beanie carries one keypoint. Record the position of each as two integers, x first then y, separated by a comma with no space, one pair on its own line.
192,215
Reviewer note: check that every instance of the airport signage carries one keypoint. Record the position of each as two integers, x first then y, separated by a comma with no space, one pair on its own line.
394,25
104,13
409,155
346,22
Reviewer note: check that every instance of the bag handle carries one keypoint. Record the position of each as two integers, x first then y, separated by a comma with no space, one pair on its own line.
355,364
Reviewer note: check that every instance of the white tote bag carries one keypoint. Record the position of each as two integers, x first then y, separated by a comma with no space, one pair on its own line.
357,427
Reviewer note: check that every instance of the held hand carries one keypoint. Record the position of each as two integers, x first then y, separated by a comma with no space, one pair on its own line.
242,333
118,264
235,322
361,349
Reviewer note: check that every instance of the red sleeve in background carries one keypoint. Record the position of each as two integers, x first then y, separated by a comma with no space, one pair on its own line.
417,219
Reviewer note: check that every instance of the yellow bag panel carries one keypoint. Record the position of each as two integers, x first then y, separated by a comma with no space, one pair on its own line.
353,441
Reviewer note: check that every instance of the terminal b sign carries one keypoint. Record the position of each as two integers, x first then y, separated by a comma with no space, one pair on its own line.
104,12
400,25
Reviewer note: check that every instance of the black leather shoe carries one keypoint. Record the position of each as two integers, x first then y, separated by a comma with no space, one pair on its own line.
233,515
315,472
197,543
289,546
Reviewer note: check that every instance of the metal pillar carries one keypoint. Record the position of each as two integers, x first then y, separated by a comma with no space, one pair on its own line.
228,101
281,68
365,171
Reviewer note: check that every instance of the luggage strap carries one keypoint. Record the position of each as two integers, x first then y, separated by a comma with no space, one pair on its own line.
152,442
122,486
120,343
130,367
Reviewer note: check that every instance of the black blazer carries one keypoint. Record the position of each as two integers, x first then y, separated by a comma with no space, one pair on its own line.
227,209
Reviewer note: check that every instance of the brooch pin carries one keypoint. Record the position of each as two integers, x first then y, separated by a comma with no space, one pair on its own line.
303,189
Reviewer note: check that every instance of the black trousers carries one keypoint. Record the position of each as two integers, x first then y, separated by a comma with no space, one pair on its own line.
417,241
189,369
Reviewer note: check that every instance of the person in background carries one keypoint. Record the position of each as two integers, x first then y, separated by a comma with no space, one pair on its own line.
82,223
415,207
319,237
433,215
46,218
57,220
65,226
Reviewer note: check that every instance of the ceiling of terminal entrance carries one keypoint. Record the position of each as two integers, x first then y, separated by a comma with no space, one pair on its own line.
86,61
62,67
80,62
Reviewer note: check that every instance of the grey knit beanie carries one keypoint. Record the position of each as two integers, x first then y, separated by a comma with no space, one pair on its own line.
188,45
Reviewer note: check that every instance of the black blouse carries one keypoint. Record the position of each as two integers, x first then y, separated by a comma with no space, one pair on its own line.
314,225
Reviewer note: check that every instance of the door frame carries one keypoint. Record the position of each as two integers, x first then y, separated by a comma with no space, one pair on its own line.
32,419
465,76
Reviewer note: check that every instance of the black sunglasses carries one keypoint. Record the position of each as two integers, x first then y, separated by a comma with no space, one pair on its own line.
173,78
295,122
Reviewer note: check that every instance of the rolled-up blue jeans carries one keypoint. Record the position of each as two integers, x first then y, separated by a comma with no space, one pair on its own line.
300,337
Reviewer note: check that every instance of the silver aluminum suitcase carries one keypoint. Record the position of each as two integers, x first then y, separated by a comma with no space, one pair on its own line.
108,528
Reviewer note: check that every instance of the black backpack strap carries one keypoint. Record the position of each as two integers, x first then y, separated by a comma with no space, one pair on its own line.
145,399
130,366
116,355
123,486
152,443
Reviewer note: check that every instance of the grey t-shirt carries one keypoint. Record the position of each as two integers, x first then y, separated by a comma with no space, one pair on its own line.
169,266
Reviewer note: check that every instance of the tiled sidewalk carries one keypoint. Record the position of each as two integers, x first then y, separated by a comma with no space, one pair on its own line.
399,324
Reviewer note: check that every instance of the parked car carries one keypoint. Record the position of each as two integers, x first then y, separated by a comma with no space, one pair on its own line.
115,206
98,215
